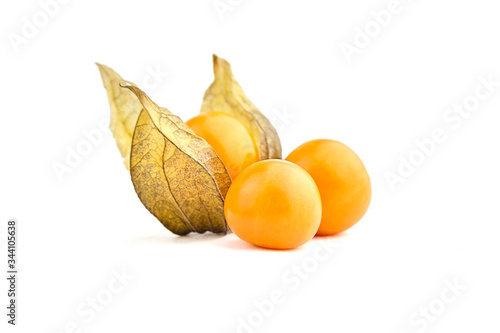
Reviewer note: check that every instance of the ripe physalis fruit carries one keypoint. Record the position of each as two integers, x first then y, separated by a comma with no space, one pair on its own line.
229,137
176,174
274,204
342,180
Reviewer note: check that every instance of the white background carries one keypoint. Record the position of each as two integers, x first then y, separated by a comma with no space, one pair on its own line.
440,225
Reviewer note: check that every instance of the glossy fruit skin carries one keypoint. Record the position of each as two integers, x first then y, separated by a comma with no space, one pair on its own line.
342,180
273,204
229,137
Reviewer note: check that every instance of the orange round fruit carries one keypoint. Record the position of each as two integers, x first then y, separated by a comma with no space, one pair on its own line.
273,204
229,137
342,180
